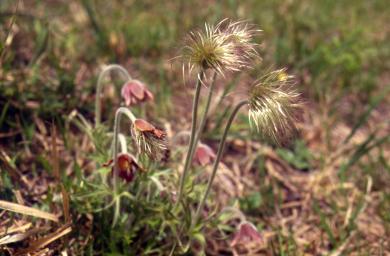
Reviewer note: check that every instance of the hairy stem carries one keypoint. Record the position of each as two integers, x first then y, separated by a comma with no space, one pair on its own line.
192,136
120,111
99,87
218,158
204,117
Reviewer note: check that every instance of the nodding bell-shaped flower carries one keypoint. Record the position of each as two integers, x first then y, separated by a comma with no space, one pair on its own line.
247,234
135,92
272,106
149,139
127,167
204,155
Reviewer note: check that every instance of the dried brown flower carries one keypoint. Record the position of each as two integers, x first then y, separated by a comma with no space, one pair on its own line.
149,139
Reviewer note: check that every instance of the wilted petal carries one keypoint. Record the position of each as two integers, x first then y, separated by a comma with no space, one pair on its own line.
143,125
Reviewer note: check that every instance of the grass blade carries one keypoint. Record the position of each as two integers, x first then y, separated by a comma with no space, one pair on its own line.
363,118
12,207
42,242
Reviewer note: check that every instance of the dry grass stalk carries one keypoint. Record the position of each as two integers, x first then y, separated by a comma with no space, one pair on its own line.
27,210
43,242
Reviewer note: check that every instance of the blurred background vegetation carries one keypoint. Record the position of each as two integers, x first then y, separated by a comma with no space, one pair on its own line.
51,52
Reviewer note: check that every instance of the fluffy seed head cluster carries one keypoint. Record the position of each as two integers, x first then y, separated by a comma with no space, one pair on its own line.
227,46
272,105
149,139
241,34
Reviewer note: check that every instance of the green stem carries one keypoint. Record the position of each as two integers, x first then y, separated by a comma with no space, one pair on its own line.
99,87
120,111
192,136
117,210
218,158
204,117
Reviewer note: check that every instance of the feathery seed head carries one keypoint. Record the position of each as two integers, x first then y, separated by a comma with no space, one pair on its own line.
149,139
210,49
272,105
242,34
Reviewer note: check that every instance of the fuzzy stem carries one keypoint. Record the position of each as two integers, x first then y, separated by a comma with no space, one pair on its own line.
99,87
204,117
192,136
218,158
118,114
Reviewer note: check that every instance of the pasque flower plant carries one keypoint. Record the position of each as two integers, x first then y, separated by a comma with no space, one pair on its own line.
271,102
228,46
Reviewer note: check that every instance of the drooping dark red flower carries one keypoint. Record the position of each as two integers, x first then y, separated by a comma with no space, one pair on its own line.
247,234
135,92
204,155
127,167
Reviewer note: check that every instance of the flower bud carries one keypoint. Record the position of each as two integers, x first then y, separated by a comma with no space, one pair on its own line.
204,155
